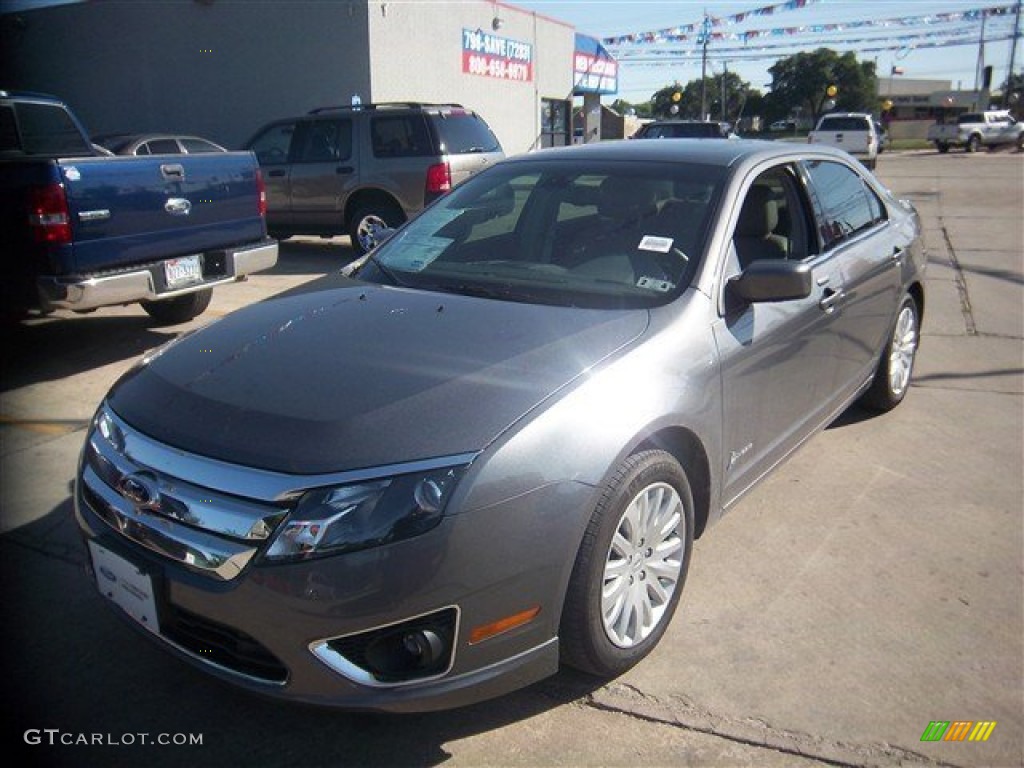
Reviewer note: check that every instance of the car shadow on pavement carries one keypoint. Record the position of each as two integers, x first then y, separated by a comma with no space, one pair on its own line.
54,348
71,664
308,257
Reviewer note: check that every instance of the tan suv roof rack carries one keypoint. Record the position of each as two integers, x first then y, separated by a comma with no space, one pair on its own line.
381,105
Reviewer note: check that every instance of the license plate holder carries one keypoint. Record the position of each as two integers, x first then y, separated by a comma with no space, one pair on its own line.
126,585
186,270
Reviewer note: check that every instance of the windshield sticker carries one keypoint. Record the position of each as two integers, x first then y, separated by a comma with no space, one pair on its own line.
420,251
656,244
653,284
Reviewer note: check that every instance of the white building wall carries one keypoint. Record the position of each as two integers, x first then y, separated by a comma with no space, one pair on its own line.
416,49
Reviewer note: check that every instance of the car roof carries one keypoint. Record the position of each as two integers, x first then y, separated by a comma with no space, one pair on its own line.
697,151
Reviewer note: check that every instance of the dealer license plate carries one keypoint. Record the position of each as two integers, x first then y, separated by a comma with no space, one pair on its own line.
126,585
183,271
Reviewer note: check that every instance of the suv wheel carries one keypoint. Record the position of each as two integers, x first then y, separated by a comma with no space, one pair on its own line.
369,220
973,143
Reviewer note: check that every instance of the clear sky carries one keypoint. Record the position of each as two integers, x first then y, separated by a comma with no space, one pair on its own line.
637,81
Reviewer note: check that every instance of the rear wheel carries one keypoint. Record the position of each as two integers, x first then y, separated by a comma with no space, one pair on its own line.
369,220
942,146
892,377
631,567
973,142
180,309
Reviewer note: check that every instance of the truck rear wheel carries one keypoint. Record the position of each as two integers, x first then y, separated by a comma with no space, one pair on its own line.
180,309
942,146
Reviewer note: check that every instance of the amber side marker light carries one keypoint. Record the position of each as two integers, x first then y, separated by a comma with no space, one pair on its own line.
487,631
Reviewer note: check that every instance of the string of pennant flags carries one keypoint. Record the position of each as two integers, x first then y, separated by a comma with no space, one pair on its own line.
707,28
756,53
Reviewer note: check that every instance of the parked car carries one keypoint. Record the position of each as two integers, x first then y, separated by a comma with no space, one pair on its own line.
685,129
782,125
974,130
82,229
516,415
155,144
356,170
853,132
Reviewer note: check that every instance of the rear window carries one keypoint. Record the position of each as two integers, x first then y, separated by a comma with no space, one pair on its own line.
838,123
970,117
400,136
47,129
463,132
683,131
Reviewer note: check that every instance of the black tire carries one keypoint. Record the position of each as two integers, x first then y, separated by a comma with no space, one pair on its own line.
942,146
366,218
871,164
892,377
180,309
973,142
585,642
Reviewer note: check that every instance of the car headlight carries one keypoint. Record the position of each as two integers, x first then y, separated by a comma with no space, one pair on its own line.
329,521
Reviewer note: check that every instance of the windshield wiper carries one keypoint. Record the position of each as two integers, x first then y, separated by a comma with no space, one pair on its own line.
386,271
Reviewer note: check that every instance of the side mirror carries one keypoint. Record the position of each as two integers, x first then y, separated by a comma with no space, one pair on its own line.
772,280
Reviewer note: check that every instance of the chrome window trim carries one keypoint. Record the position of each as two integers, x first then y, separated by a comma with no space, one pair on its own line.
251,482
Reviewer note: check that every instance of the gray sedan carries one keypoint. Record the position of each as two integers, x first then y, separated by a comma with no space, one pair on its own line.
488,447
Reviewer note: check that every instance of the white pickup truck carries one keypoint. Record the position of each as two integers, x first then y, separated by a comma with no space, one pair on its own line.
973,130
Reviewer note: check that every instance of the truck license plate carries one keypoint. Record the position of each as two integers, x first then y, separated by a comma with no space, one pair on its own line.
126,585
183,271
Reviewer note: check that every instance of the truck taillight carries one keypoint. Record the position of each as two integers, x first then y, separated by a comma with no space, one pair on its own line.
439,180
261,191
48,214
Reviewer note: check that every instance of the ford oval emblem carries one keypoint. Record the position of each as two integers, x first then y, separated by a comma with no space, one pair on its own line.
140,489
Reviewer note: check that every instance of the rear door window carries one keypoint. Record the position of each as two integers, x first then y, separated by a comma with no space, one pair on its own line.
400,136
463,132
848,204
325,141
163,147
198,146
47,129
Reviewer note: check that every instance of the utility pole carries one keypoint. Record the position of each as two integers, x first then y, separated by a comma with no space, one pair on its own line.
981,55
705,33
1013,54
725,74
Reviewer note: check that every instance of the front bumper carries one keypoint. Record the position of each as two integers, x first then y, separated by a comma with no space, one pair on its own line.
281,629
146,283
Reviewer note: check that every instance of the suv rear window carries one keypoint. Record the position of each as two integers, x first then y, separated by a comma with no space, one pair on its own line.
683,131
463,132
970,117
838,123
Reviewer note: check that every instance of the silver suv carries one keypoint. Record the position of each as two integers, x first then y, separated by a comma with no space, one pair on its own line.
356,170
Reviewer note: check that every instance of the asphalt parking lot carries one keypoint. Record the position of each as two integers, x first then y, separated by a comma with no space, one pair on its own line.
873,585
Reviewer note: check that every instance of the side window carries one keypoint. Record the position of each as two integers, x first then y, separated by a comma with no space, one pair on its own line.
272,146
142,149
327,141
848,204
8,130
772,223
164,147
399,136
198,146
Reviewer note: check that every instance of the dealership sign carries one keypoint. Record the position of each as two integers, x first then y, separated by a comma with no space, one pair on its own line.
492,56
594,69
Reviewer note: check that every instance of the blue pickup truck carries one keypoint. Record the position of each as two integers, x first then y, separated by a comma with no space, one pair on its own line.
82,230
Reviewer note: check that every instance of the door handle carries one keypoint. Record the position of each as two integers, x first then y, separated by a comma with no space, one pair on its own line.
831,300
343,170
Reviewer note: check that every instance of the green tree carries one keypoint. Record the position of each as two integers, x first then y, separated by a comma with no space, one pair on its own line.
736,91
800,84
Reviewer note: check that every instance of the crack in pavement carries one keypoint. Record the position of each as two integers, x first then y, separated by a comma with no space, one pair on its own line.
680,712
960,281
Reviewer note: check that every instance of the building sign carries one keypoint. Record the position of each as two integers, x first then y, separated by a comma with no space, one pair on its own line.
492,56
594,69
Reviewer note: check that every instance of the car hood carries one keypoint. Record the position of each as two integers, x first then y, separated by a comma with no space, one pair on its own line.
356,376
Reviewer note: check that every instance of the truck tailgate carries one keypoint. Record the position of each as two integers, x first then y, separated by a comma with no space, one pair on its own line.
133,210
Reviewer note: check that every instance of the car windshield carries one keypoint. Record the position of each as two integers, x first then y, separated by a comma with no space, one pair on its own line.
559,232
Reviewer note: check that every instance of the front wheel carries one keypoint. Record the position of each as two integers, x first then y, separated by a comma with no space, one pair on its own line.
973,143
180,309
892,377
369,221
630,568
